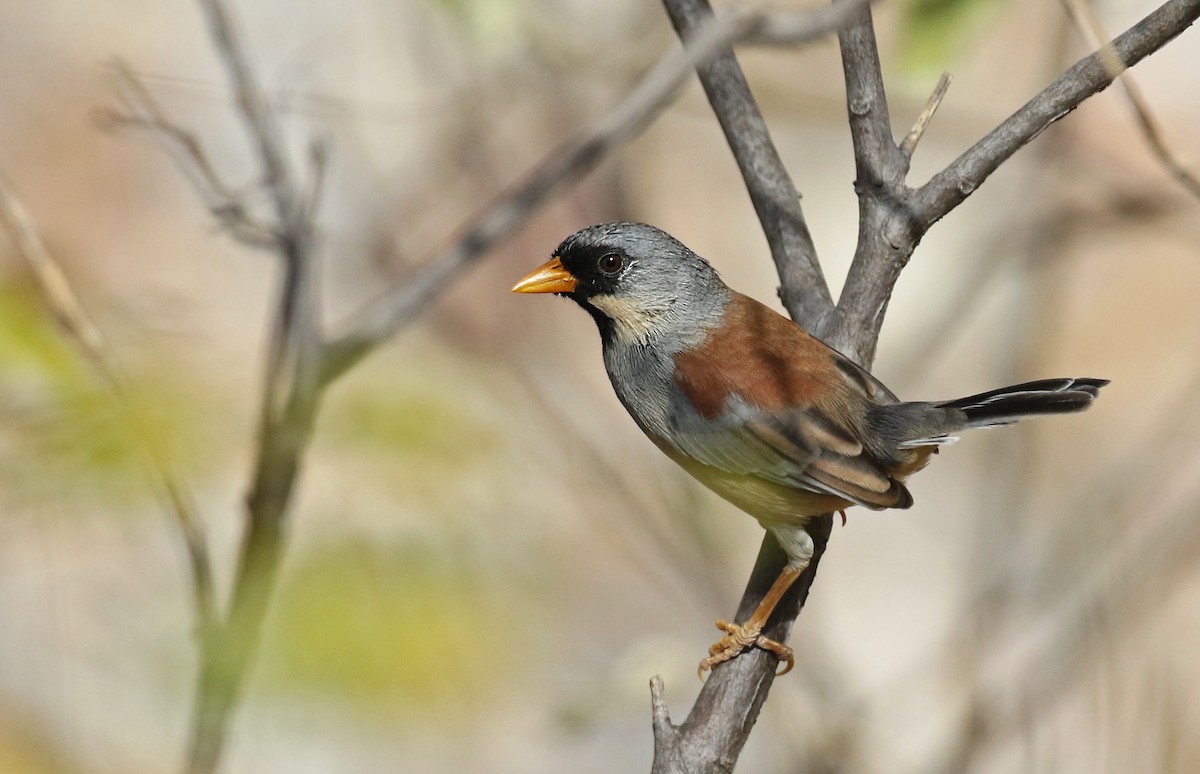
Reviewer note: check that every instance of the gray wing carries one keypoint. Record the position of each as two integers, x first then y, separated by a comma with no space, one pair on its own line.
799,447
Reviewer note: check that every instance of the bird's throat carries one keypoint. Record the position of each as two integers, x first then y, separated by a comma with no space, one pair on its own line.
632,323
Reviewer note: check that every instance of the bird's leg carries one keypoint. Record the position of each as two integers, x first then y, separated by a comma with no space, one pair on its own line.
739,637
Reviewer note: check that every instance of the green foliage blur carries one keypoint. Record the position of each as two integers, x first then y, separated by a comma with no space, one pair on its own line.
66,440
935,32
404,626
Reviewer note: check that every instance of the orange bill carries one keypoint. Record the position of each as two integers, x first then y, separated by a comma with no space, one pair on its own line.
550,277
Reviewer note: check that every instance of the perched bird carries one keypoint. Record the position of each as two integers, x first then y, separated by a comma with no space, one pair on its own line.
753,406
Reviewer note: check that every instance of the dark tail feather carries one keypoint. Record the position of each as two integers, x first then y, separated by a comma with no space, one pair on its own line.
1008,404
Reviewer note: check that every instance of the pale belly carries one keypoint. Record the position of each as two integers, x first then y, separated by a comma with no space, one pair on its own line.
766,501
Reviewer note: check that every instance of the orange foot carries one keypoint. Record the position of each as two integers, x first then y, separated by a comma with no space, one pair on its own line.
738,638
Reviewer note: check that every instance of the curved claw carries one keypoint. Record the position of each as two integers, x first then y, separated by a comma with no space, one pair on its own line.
737,639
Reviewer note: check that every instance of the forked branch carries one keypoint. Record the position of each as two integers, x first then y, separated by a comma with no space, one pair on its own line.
892,220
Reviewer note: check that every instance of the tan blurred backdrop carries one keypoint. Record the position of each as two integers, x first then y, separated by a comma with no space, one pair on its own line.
487,560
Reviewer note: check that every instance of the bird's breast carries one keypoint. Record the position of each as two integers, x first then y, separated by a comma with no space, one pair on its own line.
641,376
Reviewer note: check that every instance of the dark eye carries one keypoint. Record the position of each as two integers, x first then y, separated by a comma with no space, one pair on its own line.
611,263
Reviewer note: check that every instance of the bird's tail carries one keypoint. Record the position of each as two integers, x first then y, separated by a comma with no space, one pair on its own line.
1009,404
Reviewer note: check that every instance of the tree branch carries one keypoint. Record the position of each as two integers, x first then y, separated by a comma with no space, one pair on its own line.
716,729
880,167
1089,76
254,109
803,289
1089,26
909,214
290,398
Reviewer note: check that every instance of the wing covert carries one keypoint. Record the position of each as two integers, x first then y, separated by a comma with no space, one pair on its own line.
798,447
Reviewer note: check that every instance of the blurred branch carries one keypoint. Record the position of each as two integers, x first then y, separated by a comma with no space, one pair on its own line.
1089,26
1148,567
255,111
142,111
382,318
290,398
83,333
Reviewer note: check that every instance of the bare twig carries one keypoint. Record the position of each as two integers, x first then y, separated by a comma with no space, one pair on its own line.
254,109
909,143
1089,26
880,167
803,289
86,337
878,161
290,398
318,157
910,213
142,111
382,318
965,174
665,747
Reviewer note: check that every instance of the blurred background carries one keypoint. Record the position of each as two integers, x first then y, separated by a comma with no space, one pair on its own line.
487,560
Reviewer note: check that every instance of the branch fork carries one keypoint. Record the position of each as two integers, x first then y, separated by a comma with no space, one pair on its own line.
893,218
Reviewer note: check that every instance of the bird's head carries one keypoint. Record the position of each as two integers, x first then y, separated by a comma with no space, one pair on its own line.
636,281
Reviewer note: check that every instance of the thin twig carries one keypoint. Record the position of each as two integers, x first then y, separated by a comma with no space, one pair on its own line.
382,318
291,394
911,213
1090,27
659,713
1088,76
803,289
83,333
254,108
318,162
909,143
142,111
